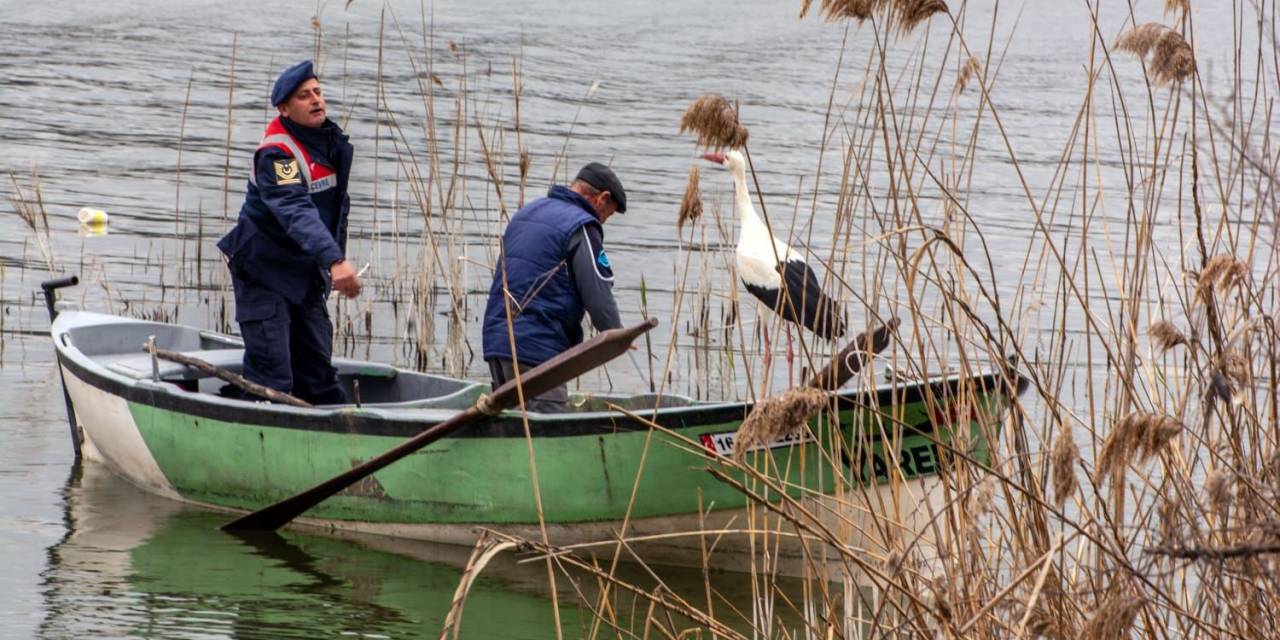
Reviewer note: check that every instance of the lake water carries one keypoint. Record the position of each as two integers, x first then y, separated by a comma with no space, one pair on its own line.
124,106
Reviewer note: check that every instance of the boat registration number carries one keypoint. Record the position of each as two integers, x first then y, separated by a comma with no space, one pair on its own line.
722,443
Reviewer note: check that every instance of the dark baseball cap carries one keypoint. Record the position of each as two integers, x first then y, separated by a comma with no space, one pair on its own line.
603,179
288,81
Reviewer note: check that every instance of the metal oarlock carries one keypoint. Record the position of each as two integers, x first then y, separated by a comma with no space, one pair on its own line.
50,288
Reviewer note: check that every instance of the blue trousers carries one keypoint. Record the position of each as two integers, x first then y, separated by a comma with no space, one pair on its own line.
287,347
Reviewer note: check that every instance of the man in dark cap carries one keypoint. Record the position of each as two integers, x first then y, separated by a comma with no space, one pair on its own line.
552,269
288,247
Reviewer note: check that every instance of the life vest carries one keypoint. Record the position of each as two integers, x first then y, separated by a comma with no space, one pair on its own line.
316,176
545,303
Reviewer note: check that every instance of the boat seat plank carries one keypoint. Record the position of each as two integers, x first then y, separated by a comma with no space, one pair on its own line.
139,367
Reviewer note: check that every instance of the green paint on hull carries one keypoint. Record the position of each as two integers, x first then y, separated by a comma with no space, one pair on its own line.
487,480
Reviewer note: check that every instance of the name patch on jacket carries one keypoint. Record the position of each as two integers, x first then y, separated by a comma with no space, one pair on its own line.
320,184
287,172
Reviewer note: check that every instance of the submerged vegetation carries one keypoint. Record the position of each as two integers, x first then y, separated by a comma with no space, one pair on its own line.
1135,488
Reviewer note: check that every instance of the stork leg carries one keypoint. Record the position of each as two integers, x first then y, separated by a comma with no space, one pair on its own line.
791,359
768,358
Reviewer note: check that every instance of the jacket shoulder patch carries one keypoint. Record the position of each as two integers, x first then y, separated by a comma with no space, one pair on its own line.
287,172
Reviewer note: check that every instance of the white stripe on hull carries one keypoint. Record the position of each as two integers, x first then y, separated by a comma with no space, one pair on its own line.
112,437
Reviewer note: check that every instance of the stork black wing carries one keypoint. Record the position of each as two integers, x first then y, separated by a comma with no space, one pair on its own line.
803,297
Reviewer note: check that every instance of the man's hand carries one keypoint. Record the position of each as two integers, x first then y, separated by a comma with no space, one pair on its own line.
345,279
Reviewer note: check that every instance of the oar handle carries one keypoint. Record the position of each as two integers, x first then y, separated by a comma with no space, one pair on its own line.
549,375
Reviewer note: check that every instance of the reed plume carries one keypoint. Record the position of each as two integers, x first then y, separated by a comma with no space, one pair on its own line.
1165,335
971,69
1220,273
691,203
1135,438
908,14
525,162
1046,624
1235,367
1063,463
1171,58
833,10
715,122
777,418
981,497
1177,6
1113,618
911,13
1217,488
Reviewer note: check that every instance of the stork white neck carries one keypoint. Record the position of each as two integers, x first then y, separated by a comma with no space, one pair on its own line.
742,197
754,236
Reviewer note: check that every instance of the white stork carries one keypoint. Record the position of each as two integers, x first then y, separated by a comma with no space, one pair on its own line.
773,271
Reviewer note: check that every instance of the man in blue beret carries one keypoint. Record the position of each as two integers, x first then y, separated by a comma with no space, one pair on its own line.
287,249
552,270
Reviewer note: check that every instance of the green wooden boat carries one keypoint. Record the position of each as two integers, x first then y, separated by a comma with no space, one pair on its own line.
164,427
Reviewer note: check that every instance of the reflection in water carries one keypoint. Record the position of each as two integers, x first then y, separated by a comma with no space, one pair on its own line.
137,565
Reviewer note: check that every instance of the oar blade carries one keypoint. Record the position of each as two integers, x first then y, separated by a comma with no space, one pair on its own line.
569,365
549,375
850,360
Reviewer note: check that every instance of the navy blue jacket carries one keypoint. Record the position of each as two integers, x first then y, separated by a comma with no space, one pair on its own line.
290,231
546,307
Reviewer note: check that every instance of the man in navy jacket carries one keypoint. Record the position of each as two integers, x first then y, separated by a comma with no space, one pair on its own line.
552,270
288,247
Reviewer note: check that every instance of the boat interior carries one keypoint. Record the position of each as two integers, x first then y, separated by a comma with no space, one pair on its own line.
119,348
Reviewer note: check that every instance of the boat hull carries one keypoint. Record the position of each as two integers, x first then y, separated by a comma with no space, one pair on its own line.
596,472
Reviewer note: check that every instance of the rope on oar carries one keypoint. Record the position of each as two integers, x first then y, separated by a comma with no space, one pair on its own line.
484,404
233,378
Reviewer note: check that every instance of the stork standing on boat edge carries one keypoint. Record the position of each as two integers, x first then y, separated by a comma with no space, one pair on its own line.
773,272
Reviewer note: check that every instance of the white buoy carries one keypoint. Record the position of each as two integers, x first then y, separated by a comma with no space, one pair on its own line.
90,217
93,222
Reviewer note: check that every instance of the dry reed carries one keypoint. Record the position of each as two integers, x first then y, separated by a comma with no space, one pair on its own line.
777,418
1177,7
906,14
982,498
1165,335
1217,488
972,68
1063,462
1136,437
715,122
1220,274
1113,619
912,13
1080,375
859,10
1171,60
691,203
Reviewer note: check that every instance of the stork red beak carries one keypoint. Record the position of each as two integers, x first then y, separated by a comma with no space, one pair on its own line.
717,158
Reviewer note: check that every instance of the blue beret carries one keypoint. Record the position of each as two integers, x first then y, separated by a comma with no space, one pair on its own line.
604,179
288,81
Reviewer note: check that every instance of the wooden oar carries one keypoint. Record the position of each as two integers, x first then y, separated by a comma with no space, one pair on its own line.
545,377
851,358
230,376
